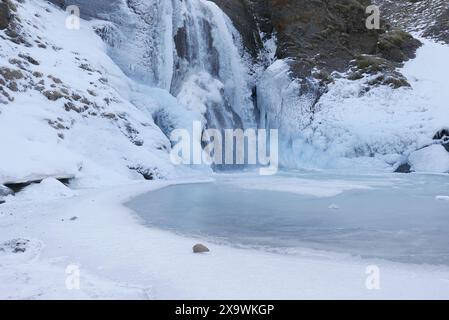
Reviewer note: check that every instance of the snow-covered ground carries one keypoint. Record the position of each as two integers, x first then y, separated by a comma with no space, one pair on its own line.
120,258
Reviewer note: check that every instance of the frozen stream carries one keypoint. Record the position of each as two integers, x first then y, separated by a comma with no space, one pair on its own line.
395,217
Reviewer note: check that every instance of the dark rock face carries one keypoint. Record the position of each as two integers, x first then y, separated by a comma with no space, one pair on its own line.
323,36
404,168
5,15
328,34
443,136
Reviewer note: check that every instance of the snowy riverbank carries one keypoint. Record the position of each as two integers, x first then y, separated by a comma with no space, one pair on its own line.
120,258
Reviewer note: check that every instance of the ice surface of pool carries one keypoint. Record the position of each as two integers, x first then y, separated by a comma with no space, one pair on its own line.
393,217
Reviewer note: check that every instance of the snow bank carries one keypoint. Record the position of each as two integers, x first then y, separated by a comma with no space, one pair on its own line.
49,188
434,159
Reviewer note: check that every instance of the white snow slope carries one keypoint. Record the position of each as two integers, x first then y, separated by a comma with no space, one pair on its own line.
88,128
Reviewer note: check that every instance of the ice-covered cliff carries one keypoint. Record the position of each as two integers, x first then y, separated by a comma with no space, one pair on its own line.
66,108
101,101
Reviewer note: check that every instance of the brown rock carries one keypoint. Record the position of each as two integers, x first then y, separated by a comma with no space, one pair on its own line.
200,248
5,16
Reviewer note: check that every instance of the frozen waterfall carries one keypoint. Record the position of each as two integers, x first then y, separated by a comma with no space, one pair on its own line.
189,48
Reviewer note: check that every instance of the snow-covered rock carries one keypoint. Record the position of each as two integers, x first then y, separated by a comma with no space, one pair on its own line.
66,107
5,191
434,158
49,188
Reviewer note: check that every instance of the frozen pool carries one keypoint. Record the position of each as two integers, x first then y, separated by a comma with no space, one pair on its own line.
394,217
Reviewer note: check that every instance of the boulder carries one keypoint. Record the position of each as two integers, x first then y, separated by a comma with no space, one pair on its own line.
200,248
403,168
5,16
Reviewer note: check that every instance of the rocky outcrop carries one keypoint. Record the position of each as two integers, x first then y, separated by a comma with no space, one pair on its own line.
5,15
322,34
430,18
325,36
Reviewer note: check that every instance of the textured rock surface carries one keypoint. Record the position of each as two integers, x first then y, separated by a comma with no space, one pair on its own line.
200,248
4,15
430,18
324,36
329,34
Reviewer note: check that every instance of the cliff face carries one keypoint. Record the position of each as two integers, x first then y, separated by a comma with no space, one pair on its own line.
319,36
322,35
308,68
